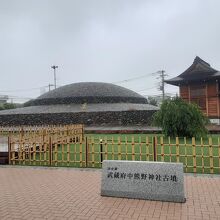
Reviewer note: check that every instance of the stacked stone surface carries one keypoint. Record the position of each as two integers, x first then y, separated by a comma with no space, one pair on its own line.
90,103
89,92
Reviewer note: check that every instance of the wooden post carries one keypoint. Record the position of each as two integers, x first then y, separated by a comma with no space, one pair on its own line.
217,96
189,94
45,143
62,147
40,152
93,152
80,153
86,156
34,148
9,149
211,155
206,100
34,153
113,145
140,144
50,151
133,150
162,149
68,151
106,148
12,146
55,154
23,146
218,152
119,148
155,148
202,149
177,150
185,151
126,147
170,149
147,149
20,146
75,149
194,154
29,151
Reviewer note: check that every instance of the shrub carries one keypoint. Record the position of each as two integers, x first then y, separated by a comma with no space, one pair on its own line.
179,118
6,106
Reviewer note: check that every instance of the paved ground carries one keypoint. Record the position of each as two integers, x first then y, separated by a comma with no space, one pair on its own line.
36,193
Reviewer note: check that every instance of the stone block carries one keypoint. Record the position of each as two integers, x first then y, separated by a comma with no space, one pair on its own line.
143,180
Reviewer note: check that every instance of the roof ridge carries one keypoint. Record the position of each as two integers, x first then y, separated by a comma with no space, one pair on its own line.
197,71
198,60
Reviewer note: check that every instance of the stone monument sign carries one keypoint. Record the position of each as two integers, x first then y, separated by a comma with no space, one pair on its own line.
143,180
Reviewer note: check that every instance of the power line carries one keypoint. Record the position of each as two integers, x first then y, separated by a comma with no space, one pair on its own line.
18,97
160,95
30,89
23,90
50,85
135,78
146,89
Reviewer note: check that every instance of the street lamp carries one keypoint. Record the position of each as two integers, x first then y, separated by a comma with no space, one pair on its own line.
54,71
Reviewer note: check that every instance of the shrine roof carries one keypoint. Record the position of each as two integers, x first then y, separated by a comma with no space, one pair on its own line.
198,71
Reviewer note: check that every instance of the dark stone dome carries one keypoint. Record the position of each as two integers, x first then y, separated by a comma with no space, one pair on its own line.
88,92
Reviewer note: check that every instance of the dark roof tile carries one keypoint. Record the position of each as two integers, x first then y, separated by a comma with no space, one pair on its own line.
199,70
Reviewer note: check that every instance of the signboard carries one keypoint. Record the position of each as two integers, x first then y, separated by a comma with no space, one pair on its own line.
143,180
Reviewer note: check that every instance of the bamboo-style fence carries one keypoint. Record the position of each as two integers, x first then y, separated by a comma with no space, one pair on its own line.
197,155
68,146
40,145
111,148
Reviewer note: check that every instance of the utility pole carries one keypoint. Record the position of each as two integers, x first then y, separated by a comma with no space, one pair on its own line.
162,85
54,71
50,86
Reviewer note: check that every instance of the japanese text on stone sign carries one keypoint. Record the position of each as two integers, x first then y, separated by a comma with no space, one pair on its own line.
113,173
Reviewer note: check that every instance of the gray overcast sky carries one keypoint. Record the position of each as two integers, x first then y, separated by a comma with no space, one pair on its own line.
103,40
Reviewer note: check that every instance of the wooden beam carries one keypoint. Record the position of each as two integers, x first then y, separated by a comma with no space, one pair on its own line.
217,96
189,93
206,96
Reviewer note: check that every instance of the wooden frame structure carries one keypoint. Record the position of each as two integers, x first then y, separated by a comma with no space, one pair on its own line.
38,145
200,84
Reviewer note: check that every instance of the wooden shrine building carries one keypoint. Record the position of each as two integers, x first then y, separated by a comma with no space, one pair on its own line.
200,84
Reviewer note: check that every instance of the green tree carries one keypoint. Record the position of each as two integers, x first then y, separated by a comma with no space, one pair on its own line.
152,101
179,118
7,106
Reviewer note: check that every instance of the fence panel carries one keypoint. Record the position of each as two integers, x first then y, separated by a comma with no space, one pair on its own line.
68,150
118,148
67,146
198,156
47,146
29,146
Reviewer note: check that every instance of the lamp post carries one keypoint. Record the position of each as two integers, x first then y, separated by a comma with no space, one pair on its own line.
54,71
